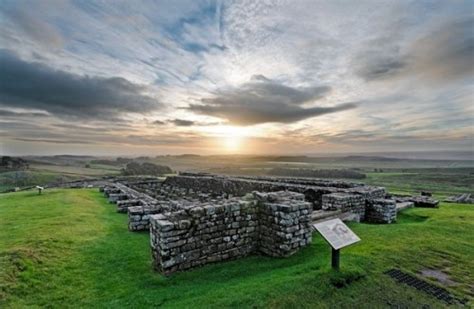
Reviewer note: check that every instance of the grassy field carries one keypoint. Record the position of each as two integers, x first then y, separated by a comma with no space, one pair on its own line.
442,182
69,248
42,174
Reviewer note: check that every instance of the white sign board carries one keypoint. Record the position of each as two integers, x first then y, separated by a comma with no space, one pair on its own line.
336,233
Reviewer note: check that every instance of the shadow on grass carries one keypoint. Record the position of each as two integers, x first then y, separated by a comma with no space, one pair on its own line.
406,217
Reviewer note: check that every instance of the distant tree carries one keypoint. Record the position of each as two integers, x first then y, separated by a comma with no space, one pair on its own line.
143,158
13,164
87,165
123,160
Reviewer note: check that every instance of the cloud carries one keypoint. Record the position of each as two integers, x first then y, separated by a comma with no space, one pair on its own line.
447,53
53,141
13,114
379,64
35,28
182,122
442,55
262,100
36,86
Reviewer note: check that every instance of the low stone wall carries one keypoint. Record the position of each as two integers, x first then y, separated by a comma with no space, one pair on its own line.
277,224
115,197
345,202
418,200
381,211
123,205
139,217
283,223
239,186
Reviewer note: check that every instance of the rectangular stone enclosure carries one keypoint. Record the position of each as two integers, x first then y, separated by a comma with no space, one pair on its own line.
196,219
275,224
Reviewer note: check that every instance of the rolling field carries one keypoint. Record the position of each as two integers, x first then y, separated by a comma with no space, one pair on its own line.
69,248
43,174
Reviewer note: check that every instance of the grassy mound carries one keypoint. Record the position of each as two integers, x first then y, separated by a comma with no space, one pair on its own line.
69,248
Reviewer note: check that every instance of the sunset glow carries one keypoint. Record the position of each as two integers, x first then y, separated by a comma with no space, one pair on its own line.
235,77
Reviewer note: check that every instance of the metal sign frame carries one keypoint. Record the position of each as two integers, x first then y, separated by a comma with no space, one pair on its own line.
338,235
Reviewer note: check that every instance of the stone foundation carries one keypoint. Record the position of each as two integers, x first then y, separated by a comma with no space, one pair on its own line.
276,224
381,211
345,202
196,219
284,223
123,205
139,217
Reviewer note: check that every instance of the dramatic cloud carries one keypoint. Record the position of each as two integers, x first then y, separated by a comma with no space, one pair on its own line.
443,55
36,86
262,100
447,53
151,73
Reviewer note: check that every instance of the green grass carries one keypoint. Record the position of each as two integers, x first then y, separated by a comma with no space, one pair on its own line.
45,174
9,180
92,171
69,248
441,182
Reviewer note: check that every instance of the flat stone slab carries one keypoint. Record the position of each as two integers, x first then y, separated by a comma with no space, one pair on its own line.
404,205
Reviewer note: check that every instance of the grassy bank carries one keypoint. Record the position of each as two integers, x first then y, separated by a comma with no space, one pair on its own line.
69,248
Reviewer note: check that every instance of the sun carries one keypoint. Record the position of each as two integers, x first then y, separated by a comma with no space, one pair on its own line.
231,139
232,144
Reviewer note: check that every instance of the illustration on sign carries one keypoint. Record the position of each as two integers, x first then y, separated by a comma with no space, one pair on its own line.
336,233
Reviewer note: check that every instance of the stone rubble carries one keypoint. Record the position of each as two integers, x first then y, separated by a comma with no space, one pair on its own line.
418,200
465,198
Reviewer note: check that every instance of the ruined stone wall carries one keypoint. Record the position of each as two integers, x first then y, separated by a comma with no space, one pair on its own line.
381,211
345,202
238,186
203,235
124,205
278,226
139,217
223,185
283,223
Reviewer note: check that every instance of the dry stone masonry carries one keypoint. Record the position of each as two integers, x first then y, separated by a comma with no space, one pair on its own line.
345,202
381,211
276,224
196,219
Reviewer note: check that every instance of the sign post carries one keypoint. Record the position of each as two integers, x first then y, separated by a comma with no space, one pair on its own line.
335,259
40,189
338,235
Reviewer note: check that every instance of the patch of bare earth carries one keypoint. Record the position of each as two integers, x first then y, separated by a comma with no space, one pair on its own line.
439,276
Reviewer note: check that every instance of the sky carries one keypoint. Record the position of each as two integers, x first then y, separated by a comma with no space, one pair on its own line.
223,77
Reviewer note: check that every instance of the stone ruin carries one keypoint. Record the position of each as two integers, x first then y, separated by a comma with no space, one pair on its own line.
276,224
465,198
195,218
